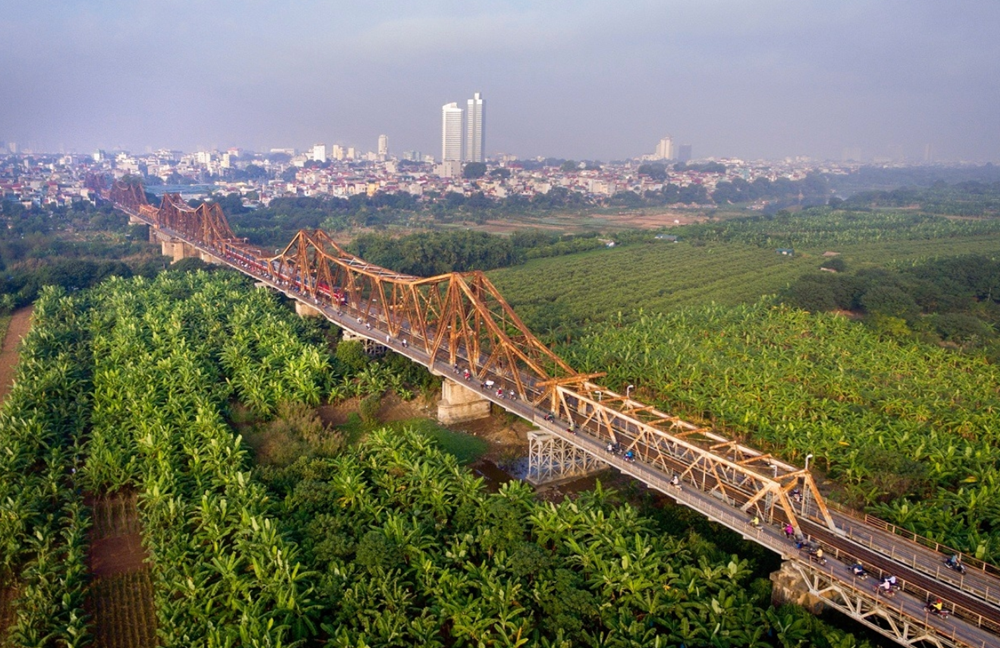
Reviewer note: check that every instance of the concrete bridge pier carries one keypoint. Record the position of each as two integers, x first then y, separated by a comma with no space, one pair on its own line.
788,585
177,249
459,403
209,258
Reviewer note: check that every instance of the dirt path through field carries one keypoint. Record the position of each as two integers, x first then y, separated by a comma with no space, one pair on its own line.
20,323
121,596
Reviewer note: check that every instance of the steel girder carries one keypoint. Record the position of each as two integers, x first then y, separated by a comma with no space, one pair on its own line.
457,318
130,195
745,478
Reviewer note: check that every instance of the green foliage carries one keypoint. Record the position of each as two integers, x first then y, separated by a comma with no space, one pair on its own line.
431,253
408,549
908,429
969,198
73,247
823,227
368,409
386,543
351,354
956,299
43,520
464,447
657,172
296,431
473,170
191,264
556,297
837,264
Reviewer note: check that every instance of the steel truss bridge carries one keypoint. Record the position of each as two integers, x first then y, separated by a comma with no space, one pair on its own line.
459,326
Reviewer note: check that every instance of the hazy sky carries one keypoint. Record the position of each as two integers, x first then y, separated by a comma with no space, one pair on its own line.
579,79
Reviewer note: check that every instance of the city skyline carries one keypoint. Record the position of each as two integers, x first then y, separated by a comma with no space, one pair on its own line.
591,79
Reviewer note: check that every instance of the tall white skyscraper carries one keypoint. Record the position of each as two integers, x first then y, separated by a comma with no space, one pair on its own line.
451,132
475,129
319,152
383,146
665,149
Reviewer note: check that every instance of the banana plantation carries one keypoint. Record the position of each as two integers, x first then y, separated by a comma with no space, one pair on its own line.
907,430
124,395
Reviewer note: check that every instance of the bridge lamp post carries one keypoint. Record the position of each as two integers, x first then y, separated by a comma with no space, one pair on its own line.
598,394
628,391
805,491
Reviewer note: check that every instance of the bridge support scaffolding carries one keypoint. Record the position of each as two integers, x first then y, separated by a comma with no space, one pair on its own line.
552,459
459,403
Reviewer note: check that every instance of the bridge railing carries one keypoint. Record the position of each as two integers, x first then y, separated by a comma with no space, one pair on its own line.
971,562
903,614
970,616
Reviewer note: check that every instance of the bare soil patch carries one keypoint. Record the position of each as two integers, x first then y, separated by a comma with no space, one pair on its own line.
7,595
121,597
391,409
116,539
20,324
124,616
657,220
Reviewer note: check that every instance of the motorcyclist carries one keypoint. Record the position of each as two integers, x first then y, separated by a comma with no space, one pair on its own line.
858,569
954,561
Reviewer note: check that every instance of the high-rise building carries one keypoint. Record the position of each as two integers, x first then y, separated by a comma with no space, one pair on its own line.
319,152
475,129
665,149
684,153
338,152
383,146
451,132
351,153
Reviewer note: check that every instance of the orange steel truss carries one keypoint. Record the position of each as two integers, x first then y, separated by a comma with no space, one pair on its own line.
737,474
462,320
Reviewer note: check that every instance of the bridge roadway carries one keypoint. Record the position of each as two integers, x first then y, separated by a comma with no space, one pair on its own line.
973,598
